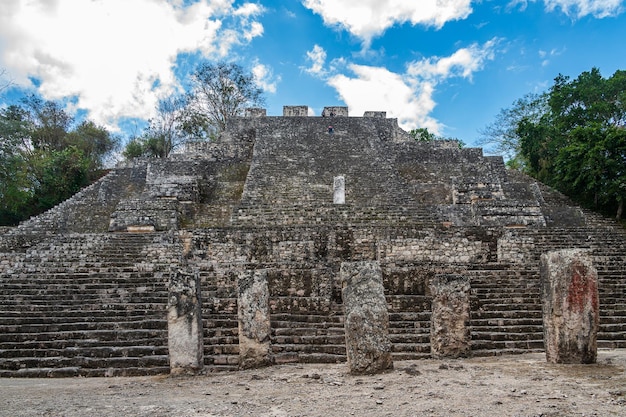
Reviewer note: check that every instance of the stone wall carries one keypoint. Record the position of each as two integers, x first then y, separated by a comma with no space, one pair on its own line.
262,198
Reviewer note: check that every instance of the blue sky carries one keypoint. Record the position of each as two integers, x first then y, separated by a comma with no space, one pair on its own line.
448,65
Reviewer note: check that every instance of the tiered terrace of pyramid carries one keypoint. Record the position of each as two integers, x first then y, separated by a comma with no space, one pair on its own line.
84,286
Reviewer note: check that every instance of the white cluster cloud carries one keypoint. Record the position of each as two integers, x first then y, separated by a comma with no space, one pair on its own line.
581,8
578,8
264,77
115,57
367,19
409,96
317,57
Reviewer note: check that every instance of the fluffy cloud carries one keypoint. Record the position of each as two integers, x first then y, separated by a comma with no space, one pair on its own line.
462,63
115,57
375,88
317,57
264,77
578,8
409,96
367,19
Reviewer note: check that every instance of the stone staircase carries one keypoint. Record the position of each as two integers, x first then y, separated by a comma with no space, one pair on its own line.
85,305
255,215
506,313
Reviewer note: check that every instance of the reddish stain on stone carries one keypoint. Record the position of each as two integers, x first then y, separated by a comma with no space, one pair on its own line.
583,289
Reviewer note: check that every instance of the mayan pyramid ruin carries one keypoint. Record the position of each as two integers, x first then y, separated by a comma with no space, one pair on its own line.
234,253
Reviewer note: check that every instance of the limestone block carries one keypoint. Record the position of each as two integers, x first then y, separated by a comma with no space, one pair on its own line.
254,319
368,346
332,111
569,283
339,190
255,112
184,322
292,111
449,330
377,114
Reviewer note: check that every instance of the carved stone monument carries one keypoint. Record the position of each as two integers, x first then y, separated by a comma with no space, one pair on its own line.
184,322
570,306
368,346
449,331
254,319
339,190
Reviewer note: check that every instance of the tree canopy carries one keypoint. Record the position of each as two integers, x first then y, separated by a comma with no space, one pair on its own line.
573,138
221,91
45,158
218,92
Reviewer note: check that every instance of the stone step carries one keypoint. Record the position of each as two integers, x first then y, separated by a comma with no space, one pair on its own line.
300,357
84,326
523,346
618,335
222,349
72,371
97,314
506,314
226,362
504,307
90,335
421,353
80,363
90,351
306,331
336,349
498,322
286,319
72,309
148,340
310,340
410,338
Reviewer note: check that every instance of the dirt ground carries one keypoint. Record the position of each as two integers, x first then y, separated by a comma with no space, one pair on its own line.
523,385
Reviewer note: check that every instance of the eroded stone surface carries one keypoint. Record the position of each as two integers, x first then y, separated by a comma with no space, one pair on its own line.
254,319
184,322
368,346
339,190
570,306
449,331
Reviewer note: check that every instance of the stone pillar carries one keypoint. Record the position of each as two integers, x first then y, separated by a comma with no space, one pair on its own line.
184,322
449,328
254,319
339,190
569,294
366,324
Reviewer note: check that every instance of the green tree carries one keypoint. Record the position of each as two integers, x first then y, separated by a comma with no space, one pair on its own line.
502,136
578,145
44,159
421,134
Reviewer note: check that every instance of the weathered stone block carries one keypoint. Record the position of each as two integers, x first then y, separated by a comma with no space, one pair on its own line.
569,284
255,112
332,111
184,322
339,190
368,346
254,319
449,330
376,114
293,111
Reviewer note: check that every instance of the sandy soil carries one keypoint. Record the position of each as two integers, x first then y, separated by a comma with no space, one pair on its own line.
522,385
